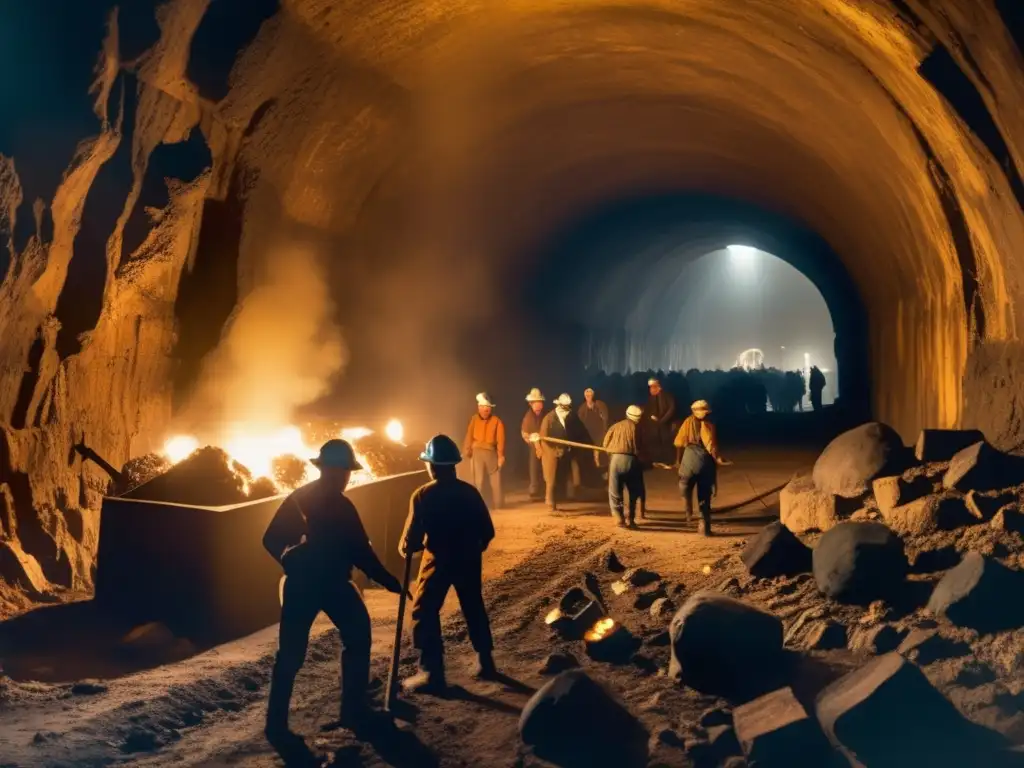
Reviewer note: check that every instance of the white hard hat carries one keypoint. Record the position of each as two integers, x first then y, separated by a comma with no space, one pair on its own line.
535,396
652,382
700,406
634,412
564,400
588,389
484,399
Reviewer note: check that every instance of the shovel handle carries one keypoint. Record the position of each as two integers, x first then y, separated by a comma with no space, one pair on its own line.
396,653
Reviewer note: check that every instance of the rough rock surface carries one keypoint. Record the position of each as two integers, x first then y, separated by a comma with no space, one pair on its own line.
775,551
944,444
973,469
723,645
853,460
929,514
803,508
776,731
980,593
897,490
859,562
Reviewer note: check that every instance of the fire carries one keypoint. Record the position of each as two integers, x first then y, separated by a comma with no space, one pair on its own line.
257,450
601,629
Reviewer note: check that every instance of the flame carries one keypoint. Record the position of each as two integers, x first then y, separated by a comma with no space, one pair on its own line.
256,449
601,629
395,431
179,448
553,616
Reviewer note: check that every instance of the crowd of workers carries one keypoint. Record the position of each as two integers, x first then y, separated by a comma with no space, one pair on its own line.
318,538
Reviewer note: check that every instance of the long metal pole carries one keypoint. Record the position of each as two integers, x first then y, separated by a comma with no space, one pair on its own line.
573,444
396,652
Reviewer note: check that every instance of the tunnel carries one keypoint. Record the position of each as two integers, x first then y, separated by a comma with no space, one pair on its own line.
438,163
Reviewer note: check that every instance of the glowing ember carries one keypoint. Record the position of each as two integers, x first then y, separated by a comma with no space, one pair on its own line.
601,629
553,616
395,431
179,448
354,433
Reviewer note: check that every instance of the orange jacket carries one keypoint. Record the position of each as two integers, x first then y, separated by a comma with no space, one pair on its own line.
485,434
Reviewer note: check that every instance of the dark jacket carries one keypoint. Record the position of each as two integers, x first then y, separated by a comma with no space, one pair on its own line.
449,519
595,420
551,426
317,533
662,407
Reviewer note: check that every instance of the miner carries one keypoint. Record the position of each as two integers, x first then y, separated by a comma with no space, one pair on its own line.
657,421
816,382
531,426
448,520
317,537
698,459
558,462
622,442
485,448
594,415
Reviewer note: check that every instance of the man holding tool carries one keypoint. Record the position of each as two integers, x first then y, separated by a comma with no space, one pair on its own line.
450,523
558,460
698,460
622,443
317,537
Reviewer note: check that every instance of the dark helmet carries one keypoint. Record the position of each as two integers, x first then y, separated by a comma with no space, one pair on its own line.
337,453
441,451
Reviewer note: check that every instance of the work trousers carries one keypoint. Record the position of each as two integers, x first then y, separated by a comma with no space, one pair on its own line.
432,587
625,473
536,475
303,599
698,471
816,399
487,472
560,473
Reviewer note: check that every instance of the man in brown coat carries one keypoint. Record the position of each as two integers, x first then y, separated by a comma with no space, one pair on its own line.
560,462
657,422
531,426
594,415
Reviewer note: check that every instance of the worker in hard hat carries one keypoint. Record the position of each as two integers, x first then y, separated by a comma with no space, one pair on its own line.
317,537
559,462
594,415
623,444
485,448
531,426
698,459
449,522
657,421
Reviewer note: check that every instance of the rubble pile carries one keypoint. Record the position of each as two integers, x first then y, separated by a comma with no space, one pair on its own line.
383,457
887,637
208,478
137,471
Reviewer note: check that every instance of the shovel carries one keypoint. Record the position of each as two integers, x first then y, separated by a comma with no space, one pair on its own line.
396,653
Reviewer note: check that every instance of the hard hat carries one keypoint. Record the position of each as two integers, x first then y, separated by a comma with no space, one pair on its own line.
700,406
564,400
338,454
535,396
652,382
441,451
634,412
588,389
484,399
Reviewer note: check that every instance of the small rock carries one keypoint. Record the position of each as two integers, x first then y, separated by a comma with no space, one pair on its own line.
926,646
896,491
732,584
716,716
723,741
973,468
1008,519
775,731
881,638
721,645
984,506
557,663
662,607
572,718
612,563
88,688
929,514
620,587
975,594
866,714
935,445
803,508
859,562
775,551
640,577
877,611
855,458
645,600
826,636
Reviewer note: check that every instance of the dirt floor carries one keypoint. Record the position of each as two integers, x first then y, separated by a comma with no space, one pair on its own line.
208,710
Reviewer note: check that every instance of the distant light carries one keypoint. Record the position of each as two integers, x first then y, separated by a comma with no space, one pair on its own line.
395,431
738,250
743,256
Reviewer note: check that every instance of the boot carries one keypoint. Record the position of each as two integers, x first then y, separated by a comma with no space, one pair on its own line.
485,668
641,511
276,729
689,510
705,525
429,680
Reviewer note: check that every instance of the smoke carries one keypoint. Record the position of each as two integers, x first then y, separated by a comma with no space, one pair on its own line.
280,351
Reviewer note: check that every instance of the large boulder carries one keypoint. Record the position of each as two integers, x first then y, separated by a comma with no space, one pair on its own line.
859,562
724,646
572,720
775,551
980,593
929,514
851,461
943,444
775,731
803,508
887,714
975,468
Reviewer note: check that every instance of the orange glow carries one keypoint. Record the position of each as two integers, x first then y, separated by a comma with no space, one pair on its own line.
602,628
394,431
553,616
179,448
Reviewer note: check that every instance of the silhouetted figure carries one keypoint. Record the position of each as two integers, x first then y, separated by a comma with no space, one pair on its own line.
450,523
816,383
531,426
697,458
560,462
594,415
657,421
485,447
317,537
623,443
